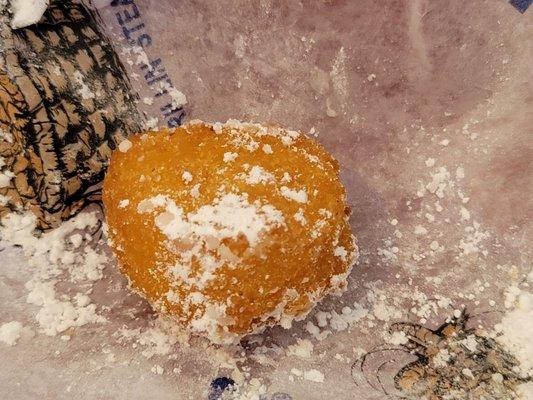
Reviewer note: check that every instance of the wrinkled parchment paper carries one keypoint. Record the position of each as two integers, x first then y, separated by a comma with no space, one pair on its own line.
427,105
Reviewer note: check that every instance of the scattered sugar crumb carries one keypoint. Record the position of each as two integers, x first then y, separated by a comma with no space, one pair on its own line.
257,175
228,156
76,239
157,369
195,191
398,338
470,343
341,253
286,178
124,146
385,312
152,123
465,214
314,375
312,329
299,217
10,332
296,372
439,181
218,126
186,176
178,98
267,149
83,89
303,348
420,230
463,198
472,242
430,162
442,358
468,373
299,196
5,178
389,253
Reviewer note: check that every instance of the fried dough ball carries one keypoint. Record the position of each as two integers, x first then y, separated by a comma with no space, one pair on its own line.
228,227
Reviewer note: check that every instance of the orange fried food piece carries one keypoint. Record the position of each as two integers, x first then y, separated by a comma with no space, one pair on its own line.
229,227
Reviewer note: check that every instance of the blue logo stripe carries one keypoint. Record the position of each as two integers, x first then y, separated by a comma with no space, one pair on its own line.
521,5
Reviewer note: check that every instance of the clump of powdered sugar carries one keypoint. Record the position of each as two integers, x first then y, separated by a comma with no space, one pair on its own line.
10,332
299,196
51,255
229,216
516,326
27,12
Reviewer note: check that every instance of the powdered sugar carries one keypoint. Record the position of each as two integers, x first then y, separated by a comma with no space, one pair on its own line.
439,181
178,98
27,12
473,239
302,349
50,256
228,156
267,149
125,145
123,203
229,216
186,176
257,175
5,178
340,252
314,375
516,327
10,332
299,217
300,196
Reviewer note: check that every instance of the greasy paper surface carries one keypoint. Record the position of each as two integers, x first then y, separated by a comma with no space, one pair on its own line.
385,87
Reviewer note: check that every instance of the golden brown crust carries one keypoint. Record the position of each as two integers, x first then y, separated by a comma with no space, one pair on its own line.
281,188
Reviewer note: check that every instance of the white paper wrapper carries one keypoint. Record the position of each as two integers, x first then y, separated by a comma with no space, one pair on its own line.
427,107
